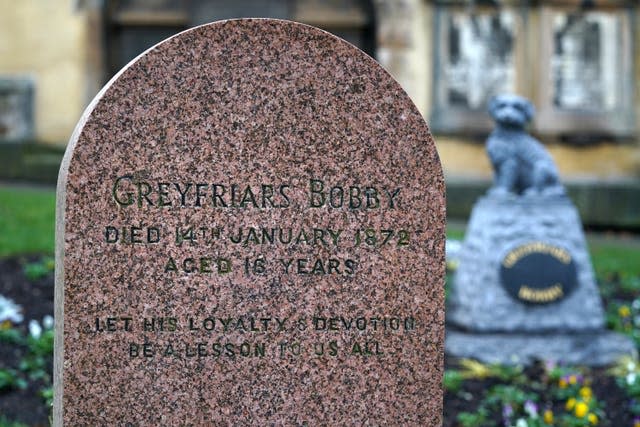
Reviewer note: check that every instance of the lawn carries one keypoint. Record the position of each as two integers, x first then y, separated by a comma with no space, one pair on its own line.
27,221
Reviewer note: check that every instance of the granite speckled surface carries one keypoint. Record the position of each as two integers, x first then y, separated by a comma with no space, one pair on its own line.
268,140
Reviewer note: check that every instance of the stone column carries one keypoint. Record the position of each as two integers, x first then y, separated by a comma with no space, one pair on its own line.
404,34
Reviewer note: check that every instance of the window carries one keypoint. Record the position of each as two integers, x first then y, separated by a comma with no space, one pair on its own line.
477,51
133,26
16,109
575,64
586,72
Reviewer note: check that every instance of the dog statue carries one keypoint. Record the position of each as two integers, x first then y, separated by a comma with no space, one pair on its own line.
521,164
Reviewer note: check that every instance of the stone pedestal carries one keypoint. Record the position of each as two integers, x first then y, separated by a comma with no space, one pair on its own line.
525,287
499,225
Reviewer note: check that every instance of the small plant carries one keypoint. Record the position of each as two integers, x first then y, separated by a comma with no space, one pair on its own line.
10,379
10,313
453,380
472,369
40,346
582,408
627,373
39,269
4,422
532,403
517,408
566,381
47,395
475,419
630,284
625,318
40,341
11,335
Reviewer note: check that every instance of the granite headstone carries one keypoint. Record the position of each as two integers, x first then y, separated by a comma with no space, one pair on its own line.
250,231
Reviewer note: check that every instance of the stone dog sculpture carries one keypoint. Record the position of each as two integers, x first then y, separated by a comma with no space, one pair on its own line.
521,164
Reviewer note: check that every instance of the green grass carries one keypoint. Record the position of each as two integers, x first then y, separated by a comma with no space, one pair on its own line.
27,221
455,229
615,256
4,422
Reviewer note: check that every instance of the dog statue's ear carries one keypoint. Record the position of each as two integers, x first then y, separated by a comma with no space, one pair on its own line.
529,109
493,105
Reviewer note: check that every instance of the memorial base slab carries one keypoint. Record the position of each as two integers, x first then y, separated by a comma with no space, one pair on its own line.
596,348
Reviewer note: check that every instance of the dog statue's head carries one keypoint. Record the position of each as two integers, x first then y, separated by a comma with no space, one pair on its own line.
511,110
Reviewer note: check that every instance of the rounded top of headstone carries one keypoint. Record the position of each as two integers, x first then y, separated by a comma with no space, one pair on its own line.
251,227
278,71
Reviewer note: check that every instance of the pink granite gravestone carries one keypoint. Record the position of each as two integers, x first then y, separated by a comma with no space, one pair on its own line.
250,232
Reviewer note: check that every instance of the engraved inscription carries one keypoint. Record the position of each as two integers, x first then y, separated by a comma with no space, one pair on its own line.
214,336
129,191
220,327
549,294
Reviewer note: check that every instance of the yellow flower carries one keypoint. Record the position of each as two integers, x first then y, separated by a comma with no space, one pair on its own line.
581,409
547,417
6,325
562,383
593,419
585,392
624,311
573,379
570,403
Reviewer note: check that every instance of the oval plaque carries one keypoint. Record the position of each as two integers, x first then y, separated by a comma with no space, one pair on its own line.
538,273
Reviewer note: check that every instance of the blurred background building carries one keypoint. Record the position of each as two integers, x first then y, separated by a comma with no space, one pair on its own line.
577,60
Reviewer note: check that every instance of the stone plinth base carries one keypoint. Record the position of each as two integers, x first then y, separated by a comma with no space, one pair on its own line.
597,348
478,300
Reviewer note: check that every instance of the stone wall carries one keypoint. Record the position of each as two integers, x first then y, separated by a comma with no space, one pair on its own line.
51,44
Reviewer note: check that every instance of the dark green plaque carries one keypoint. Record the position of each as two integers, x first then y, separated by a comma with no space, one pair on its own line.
538,273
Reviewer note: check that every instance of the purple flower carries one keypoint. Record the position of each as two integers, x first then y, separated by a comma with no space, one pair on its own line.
531,408
507,413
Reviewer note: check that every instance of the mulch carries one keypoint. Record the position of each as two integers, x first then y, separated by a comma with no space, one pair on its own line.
36,298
